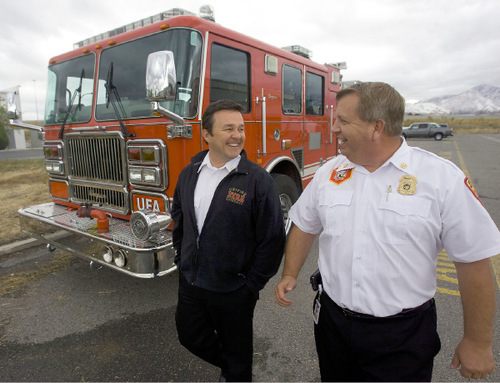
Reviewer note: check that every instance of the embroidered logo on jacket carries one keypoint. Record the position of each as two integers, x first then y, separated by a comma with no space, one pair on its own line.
236,196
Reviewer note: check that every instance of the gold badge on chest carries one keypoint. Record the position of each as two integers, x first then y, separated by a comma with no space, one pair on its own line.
407,185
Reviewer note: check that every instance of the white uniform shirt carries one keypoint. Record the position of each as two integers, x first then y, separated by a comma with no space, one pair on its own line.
208,180
378,249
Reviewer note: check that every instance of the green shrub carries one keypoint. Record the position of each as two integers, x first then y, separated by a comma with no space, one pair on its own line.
4,122
4,139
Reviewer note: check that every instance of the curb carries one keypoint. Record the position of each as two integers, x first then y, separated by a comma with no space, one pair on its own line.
28,243
19,246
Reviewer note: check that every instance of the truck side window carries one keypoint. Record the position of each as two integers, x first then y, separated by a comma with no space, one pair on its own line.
314,94
230,75
292,90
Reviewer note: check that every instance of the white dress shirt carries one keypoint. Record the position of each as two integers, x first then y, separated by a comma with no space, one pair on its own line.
208,180
382,231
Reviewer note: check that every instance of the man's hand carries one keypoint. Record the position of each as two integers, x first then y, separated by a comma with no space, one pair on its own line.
475,361
286,285
477,290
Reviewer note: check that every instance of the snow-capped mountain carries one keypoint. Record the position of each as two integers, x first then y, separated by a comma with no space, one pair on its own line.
478,100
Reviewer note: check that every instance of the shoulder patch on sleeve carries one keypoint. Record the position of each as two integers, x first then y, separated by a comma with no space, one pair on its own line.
339,176
471,188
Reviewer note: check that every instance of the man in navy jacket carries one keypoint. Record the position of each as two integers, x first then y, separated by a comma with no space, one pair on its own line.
229,238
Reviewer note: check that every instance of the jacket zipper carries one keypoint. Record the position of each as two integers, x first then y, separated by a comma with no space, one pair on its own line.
195,261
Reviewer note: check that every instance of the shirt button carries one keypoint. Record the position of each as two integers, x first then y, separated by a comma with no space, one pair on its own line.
357,284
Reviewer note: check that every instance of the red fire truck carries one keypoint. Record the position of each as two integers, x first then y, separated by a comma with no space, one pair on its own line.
123,117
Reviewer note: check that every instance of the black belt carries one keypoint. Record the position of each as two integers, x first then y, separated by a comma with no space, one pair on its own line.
403,314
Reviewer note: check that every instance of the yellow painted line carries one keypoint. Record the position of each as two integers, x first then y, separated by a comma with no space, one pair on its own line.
446,278
495,261
461,160
446,273
495,264
448,291
446,263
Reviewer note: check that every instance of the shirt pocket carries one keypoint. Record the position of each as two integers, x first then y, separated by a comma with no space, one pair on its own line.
334,208
403,218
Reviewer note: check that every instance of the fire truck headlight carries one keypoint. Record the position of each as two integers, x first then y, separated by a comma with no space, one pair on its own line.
145,175
146,224
146,154
108,255
150,176
54,151
120,259
54,167
135,175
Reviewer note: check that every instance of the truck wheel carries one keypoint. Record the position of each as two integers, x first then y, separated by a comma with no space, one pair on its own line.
288,193
438,136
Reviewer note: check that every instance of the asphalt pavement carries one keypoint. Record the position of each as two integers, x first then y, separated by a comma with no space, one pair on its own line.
13,154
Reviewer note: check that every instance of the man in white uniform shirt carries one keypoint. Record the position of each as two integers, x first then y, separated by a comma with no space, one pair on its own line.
385,211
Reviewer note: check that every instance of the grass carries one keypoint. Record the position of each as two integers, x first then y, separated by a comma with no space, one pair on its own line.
22,183
462,124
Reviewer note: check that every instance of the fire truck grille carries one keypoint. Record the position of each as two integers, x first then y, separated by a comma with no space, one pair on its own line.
105,198
97,170
96,158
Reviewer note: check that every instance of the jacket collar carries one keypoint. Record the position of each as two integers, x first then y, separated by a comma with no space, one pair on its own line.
197,160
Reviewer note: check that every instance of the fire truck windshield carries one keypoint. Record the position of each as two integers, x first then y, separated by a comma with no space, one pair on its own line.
64,82
129,74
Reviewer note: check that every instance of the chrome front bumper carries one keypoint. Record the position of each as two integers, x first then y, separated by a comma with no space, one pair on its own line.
144,259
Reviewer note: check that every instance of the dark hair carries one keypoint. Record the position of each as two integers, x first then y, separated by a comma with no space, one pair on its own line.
207,119
378,101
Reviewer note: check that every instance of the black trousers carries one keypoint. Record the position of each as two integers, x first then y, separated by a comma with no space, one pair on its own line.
218,328
359,348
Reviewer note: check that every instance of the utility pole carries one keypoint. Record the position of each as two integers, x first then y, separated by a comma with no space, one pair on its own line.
36,102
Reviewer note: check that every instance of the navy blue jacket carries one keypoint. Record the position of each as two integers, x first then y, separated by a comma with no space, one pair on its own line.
243,238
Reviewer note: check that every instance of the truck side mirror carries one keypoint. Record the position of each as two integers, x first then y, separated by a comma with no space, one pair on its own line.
161,78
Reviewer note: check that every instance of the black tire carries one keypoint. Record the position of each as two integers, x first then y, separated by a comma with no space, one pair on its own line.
438,136
288,193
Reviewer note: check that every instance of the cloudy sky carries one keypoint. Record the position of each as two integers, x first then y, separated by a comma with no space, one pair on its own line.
424,48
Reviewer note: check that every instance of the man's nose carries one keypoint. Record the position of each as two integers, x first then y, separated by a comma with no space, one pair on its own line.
336,127
237,134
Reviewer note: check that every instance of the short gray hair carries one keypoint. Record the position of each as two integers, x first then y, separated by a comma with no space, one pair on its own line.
378,101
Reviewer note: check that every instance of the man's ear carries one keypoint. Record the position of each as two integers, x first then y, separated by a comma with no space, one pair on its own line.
205,133
378,129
